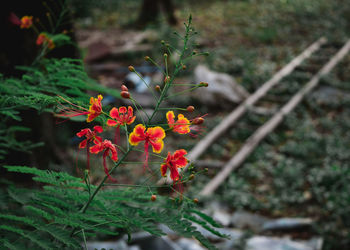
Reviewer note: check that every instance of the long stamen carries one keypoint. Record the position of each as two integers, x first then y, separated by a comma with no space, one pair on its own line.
106,169
117,135
88,156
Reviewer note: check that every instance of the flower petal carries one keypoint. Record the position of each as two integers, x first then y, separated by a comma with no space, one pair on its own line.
91,117
180,162
98,129
114,113
179,153
122,110
111,123
97,140
114,156
155,133
96,149
137,135
170,118
182,125
157,146
83,144
163,169
130,111
174,173
131,120
83,132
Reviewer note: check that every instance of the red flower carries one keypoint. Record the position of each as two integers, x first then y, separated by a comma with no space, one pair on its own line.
41,38
26,22
95,108
90,136
108,148
153,136
173,162
181,126
122,116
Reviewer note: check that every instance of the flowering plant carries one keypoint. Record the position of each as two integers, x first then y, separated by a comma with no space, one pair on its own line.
137,130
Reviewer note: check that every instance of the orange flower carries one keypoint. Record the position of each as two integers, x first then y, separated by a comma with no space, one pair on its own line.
122,116
173,162
181,126
44,39
26,22
153,136
95,108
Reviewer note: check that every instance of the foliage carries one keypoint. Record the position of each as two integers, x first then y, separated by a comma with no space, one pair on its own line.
46,218
38,89
65,210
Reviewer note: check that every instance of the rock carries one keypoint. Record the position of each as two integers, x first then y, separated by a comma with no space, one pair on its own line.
97,50
287,224
117,245
222,217
140,85
246,220
146,241
274,243
188,244
232,242
222,87
327,95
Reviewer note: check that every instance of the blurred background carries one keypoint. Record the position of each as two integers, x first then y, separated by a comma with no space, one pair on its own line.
293,190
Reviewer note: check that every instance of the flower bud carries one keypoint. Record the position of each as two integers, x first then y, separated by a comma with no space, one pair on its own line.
157,87
184,67
165,55
167,79
125,94
131,69
162,42
191,177
190,108
195,200
206,169
124,88
198,121
153,197
203,84
147,58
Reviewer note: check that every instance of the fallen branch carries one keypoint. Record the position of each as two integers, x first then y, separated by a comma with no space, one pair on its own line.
270,125
251,100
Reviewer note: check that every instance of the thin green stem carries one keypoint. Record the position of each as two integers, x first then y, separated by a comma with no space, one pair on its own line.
134,185
183,92
147,85
84,239
135,105
157,65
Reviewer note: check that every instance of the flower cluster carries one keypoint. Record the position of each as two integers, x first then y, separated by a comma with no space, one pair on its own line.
149,136
143,133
